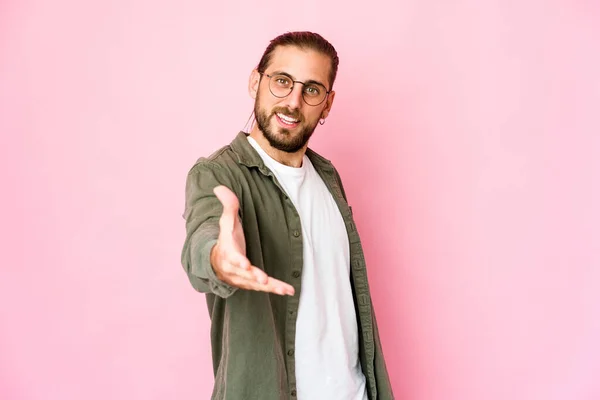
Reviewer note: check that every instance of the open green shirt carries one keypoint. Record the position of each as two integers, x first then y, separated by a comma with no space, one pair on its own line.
253,333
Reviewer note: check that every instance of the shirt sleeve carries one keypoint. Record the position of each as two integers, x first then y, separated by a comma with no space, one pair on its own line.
202,213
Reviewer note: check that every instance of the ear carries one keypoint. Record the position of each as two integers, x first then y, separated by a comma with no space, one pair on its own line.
328,104
253,83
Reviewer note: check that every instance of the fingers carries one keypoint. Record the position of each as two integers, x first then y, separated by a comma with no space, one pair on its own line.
272,285
254,278
278,287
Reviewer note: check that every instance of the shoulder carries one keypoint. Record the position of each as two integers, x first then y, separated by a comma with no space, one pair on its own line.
221,160
321,163
316,157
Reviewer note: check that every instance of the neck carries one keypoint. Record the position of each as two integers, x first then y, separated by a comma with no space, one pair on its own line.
285,158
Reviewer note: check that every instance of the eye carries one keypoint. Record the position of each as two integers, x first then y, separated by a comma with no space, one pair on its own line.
312,90
282,80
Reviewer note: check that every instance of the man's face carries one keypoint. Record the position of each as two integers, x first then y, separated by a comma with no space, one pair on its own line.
288,122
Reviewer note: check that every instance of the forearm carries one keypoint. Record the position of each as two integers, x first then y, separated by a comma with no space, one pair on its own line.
202,213
196,260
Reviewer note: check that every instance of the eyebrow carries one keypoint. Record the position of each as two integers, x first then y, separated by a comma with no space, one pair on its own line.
292,78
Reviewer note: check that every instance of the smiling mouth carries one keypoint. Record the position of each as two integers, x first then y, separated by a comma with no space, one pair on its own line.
286,120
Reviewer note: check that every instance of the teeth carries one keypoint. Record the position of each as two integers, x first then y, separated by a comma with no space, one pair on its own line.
285,118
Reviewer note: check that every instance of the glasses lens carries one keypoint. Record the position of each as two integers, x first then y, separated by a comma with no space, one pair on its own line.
314,94
281,85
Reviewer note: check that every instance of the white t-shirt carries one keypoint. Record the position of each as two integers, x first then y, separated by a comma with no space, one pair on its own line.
327,363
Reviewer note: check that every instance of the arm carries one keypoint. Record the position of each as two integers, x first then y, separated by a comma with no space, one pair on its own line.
202,213
214,254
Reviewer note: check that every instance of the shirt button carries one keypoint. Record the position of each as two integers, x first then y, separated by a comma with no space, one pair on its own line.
296,233
291,352
296,274
293,393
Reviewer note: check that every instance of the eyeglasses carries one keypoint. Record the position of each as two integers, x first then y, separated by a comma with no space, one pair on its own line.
282,85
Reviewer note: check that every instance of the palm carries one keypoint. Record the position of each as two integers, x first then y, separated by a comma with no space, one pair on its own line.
229,259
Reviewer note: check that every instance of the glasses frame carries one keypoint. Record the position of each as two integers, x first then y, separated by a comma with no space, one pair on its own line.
292,88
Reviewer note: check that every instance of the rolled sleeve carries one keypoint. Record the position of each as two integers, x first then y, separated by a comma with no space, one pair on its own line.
202,213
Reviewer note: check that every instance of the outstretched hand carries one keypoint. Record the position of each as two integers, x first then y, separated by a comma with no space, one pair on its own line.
228,256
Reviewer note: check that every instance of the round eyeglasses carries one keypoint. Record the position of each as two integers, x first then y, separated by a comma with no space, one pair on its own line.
281,86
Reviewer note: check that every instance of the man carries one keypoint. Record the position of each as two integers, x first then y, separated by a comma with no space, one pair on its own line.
271,241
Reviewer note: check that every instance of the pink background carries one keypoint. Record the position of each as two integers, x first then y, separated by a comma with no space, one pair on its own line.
467,134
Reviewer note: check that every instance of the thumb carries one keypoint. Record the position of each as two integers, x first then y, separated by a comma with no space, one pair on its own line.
230,204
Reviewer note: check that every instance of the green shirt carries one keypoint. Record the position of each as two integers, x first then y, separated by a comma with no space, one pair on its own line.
253,333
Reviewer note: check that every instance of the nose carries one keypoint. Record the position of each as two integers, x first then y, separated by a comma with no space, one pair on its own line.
294,99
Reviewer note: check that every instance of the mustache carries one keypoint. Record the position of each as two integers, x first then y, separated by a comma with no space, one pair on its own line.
292,113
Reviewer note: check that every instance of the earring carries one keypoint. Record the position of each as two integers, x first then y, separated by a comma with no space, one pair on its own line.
322,121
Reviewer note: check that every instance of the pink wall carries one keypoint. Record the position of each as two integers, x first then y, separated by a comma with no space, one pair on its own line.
468,135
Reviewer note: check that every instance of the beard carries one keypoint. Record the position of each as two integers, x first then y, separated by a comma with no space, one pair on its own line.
285,140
